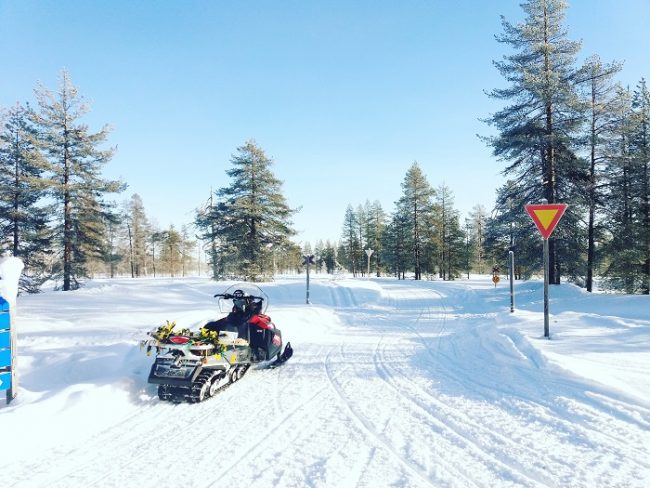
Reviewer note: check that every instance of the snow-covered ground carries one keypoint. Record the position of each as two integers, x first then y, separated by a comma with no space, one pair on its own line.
393,383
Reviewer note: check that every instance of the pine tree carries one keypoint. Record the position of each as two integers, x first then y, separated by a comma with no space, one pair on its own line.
23,222
627,252
396,239
329,257
451,242
75,161
510,228
599,93
640,145
251,216
350,244
478,220
416,204
375,228
187,245
138,233
171,247
535,132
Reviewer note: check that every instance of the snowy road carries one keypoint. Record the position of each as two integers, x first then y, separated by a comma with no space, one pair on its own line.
393,383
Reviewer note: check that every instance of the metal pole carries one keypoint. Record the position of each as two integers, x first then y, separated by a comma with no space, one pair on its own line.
546,327
308,302
369,253
512,280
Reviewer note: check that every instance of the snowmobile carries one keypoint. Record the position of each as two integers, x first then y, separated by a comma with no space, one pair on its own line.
193,366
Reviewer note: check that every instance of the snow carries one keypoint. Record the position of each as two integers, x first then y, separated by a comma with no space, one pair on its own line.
393,383
10,269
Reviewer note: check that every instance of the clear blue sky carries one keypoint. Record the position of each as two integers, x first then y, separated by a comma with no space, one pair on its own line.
343,95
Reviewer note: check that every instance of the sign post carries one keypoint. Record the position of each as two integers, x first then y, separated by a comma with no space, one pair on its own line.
546,216
511,265
369,253
308,261
10,269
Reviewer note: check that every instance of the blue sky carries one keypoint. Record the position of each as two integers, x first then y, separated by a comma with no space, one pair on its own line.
343,95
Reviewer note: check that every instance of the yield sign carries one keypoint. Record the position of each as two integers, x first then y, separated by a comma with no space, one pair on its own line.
546,216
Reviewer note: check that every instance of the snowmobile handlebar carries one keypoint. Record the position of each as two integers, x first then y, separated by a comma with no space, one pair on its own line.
230,296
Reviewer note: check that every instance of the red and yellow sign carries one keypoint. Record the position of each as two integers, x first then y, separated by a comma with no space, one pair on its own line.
546,216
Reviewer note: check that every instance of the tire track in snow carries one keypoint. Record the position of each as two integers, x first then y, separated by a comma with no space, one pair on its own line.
456,427
304,408
366,427
542,395
461,427
140,433
547,384
385,376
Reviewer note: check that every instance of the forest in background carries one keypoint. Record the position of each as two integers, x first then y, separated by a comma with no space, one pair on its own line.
567,132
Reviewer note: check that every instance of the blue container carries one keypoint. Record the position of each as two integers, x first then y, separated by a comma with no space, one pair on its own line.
5,381
5,358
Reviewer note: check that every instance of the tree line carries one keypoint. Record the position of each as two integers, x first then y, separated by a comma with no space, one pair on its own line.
423,236
569,133
54,213
57,215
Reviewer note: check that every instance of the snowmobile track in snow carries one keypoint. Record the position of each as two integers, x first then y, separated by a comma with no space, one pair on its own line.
368,429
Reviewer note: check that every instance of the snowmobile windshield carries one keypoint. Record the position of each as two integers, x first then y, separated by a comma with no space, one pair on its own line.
241,297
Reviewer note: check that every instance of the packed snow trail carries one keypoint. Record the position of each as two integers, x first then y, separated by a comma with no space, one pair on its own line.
393,383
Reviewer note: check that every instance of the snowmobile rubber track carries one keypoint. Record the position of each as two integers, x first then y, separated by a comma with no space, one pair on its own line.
200,389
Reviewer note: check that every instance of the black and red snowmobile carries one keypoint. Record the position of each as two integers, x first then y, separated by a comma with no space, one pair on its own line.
192,366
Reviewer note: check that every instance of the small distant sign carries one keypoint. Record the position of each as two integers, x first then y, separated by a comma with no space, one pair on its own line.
308,260
546,216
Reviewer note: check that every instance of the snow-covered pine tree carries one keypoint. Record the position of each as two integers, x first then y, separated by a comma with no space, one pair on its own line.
23,220
75,162
536,131
251,218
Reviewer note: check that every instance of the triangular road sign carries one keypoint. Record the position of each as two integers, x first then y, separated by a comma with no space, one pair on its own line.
546,216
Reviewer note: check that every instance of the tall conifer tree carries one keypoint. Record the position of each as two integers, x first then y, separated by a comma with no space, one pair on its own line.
23,222
75,161
598,90
535,131
416,204
251,217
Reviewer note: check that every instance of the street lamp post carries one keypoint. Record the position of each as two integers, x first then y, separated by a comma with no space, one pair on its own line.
369,253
